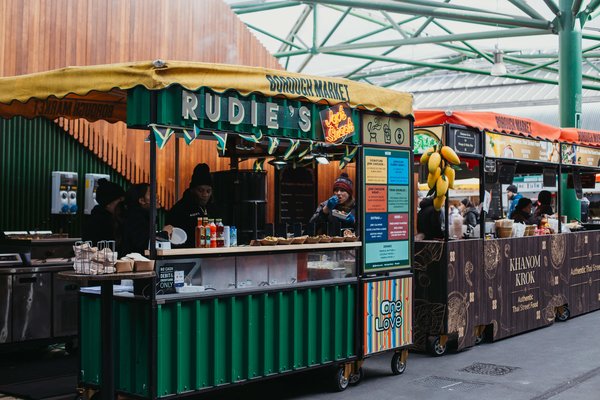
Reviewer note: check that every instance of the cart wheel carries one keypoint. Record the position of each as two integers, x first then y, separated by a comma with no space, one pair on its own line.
356,378
398,366
437,349
563,313
340,382
480,338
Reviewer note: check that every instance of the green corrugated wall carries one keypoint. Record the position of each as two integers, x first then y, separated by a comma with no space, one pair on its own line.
29,151
208,342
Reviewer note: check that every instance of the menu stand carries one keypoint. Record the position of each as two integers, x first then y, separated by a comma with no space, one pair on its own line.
106,320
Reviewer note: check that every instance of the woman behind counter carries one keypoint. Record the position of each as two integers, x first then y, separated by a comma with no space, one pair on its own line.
105,220
340,207
196,202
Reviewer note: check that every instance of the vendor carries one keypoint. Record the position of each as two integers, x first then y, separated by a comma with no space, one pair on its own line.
197,202
340,207
106,218
429,220
522,212
513,196
545,204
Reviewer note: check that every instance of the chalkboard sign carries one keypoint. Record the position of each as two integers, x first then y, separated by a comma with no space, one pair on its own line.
295,194
464,141
490,166
495,211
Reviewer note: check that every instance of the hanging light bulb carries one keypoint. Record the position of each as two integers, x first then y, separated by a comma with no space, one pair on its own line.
499,68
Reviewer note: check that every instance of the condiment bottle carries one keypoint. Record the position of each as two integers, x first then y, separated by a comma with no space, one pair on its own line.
220,242
199,234
226,237
206,233
213,233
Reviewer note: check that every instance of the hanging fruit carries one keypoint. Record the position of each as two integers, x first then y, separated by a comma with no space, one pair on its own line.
441,162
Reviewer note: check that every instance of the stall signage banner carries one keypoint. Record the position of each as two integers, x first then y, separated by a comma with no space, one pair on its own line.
337,123
388,314
425,138
255,112
514,147
384,130
387,197
464,141
573,154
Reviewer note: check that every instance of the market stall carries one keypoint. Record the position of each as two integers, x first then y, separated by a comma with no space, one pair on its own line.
501,284
284,299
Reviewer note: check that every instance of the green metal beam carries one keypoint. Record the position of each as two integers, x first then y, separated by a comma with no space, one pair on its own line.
569,56
394,60
553,7
394,24
527,9
592,6
282,40
472,48
458,15
296,27
591,64
244,9
536,67
409,77
576,7
515,32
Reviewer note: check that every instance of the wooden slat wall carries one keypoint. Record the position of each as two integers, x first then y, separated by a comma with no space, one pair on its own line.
41,35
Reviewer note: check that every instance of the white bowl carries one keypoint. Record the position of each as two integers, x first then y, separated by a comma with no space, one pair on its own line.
178,236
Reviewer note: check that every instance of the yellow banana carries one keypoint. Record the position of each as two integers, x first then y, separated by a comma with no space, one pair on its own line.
438,202
449,155
426,154
450,175
441,186
432,178
434,162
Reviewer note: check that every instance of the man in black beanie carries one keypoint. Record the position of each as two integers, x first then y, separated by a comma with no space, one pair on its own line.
195,203
104,221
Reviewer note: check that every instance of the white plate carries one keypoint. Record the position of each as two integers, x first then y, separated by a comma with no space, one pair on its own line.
178,236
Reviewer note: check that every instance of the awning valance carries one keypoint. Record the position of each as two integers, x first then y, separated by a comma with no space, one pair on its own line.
488,121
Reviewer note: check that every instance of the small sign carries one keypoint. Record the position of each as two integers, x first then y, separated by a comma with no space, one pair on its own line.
490,166
385,130
464,141
520,148
425,138
166,279
337,123
573,154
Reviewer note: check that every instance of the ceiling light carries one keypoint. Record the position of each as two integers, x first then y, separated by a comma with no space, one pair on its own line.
322,159
499,68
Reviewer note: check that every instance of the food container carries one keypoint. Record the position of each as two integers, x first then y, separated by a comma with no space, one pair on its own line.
503,232
285,241
337,239
124,266
143,266
299,240
269,242
312,240
324,239
351,238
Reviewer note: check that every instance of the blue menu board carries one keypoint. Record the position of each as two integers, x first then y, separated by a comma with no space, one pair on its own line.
387,208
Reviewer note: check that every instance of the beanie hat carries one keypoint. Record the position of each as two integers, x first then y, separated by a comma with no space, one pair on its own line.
344,183
512,188
201,176
107,192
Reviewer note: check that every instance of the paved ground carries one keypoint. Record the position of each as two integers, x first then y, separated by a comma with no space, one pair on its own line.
560,362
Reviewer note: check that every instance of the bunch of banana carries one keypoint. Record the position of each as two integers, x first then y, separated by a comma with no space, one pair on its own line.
442,162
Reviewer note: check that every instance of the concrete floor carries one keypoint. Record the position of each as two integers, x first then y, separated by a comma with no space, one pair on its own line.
559,362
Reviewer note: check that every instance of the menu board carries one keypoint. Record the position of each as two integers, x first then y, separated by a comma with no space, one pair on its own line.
425,138
385,130
573,154
386,230
464,141
295,194
520,148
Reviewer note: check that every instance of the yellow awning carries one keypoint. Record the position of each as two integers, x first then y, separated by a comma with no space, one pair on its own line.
99,92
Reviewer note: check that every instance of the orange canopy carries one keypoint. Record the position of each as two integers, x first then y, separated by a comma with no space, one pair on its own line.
574,135
490,121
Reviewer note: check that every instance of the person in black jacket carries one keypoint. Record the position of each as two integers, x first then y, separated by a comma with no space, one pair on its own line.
429,220
196,202
522,213
470,215
106,218
545,204
136,234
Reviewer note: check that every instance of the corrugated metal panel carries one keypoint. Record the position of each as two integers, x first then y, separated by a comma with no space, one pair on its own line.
29,151
205,343
90,352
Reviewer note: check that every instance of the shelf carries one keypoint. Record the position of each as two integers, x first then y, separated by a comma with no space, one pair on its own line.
225,251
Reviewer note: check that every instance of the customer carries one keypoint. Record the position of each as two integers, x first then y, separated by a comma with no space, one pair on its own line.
429,220
513,195
196,202
106,218
340,207
470,215
522,212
